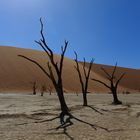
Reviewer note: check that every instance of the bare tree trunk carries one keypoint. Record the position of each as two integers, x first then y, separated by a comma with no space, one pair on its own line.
85,99
34,92
115,97
63,105
34,88
85,91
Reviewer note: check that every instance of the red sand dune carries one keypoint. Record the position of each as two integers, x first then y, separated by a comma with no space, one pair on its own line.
18,74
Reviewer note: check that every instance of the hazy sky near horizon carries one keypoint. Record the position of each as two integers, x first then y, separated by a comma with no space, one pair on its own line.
107,30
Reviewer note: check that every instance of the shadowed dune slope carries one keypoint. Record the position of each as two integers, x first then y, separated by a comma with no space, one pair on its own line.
18,74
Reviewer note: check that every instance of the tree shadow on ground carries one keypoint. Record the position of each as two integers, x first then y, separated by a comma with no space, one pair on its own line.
65,124
119,130
95,109
68,123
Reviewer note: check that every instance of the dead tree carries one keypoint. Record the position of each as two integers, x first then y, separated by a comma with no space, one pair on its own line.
43,89
113,83
84,82
54,72
50,90
34,87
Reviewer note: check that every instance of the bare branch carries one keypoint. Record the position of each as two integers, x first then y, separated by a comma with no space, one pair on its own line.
62,55
114,70
41,31
100,82
88,74
119,79
78,70
84,67
108,75
51,74
43,38
90,66
38,42
33,61
46,48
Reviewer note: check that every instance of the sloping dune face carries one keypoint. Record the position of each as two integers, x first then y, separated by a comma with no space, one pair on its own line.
131,80
18,74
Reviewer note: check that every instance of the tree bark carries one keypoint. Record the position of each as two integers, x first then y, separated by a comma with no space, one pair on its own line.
34,92
34,88
85,99
62,101
115,97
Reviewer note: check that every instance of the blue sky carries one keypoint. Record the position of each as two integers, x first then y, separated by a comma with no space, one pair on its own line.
107,30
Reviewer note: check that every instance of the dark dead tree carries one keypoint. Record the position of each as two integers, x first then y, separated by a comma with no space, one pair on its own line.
76,93
113,83
84,82
56,75
34,87
43,89
50,89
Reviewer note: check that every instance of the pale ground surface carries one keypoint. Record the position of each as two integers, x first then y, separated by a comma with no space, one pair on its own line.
18,114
